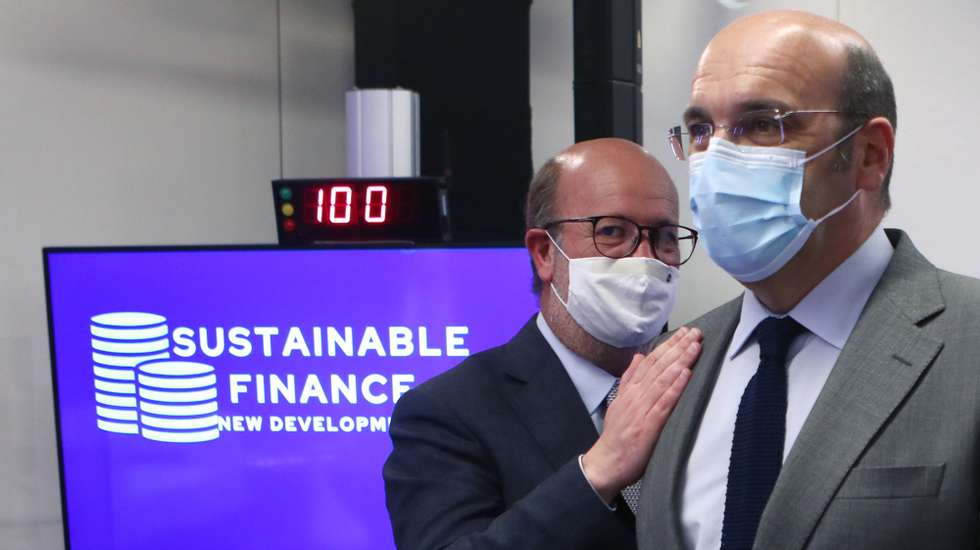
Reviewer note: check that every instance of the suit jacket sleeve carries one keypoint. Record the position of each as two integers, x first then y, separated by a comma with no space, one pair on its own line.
443,492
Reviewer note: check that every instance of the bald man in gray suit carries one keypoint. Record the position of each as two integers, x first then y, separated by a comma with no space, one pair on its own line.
790,136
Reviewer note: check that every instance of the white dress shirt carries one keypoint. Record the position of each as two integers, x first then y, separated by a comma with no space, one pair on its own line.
829,313
591,382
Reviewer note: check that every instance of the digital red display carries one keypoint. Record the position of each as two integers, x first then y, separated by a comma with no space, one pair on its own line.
331,210
343,205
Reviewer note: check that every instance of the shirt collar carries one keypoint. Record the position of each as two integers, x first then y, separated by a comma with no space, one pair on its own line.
832,308
592,382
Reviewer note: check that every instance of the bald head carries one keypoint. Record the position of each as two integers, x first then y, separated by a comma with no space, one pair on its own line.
793,60
789,29
602,150
583,164
601,177
822,83
802,54
603,167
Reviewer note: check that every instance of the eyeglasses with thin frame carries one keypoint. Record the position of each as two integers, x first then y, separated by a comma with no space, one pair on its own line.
618,237
763,128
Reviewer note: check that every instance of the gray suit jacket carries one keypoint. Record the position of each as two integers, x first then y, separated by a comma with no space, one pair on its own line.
889,456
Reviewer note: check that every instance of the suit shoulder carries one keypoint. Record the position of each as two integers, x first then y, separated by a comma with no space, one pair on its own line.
961,295
721,315
956,287
467,380
716,321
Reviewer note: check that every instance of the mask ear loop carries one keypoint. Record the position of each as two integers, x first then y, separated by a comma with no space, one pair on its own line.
839,208
846,137
831,146
552,283
554,242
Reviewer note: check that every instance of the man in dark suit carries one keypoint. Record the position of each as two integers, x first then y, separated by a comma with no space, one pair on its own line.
505,451
835,404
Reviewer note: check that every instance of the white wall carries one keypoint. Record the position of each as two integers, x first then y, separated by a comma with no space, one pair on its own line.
141,122
929,49
552,124
930,54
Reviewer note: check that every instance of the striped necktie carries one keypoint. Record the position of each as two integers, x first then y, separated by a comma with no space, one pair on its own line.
631,493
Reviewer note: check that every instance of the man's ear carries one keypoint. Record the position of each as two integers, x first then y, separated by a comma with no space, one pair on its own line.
542,253
876,148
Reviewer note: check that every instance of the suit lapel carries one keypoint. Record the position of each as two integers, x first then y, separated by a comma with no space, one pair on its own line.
544,398
666,471
883,359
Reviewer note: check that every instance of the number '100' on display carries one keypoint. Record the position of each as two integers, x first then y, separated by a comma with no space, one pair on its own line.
340,204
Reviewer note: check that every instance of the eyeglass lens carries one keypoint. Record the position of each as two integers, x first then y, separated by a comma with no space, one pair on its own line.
619,238
756,128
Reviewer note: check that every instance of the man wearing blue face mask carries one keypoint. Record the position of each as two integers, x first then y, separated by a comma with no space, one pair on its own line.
538,443
835,403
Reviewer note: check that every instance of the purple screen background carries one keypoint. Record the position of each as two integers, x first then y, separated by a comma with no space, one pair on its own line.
261,489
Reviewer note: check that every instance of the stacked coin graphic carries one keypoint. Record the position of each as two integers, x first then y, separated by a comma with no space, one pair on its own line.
178,401
120,342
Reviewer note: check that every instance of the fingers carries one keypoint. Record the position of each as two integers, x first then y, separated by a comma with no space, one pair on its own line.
658,353
693,336
659,413
644,382
642,397
686,353
671,342
655,391
649,390
654,365
631,370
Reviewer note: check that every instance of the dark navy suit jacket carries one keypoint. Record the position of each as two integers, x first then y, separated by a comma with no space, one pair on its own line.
486,456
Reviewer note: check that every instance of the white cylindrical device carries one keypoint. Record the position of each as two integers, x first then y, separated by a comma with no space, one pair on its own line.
382,133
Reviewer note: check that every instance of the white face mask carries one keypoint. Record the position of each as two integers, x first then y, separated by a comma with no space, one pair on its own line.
623,302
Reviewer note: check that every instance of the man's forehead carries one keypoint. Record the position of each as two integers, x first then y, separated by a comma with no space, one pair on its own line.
789,26
612,173
638,191
790,66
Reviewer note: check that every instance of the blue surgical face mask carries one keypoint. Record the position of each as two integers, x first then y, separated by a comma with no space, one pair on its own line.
746,204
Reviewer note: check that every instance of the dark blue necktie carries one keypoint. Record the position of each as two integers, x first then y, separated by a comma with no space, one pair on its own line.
760,430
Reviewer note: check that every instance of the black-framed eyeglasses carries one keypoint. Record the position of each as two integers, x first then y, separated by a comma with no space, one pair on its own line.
763,128
618,237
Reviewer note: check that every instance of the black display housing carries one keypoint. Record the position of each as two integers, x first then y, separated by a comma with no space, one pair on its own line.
416,210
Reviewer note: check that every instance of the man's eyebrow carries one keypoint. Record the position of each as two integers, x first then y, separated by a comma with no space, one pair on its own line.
664,220
655,221
695,113
762,105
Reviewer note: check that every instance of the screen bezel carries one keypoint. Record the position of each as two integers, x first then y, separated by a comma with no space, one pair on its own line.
47,252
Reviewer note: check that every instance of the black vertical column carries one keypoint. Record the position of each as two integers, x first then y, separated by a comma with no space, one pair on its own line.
469,61
608,69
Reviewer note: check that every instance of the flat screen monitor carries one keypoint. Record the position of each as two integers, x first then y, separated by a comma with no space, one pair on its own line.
241,397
